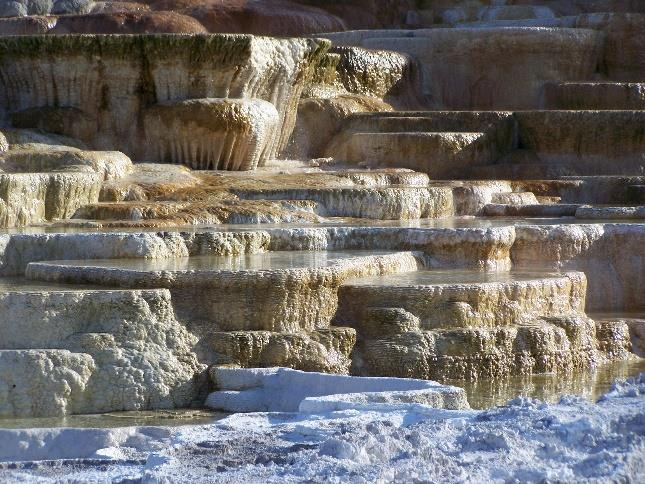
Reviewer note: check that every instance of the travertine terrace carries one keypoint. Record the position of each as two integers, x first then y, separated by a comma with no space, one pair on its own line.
433,190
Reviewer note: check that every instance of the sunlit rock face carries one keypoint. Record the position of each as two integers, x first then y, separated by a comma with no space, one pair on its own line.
212,134
46,177
291,293
102,351
326,350
351,80
473,325
109,87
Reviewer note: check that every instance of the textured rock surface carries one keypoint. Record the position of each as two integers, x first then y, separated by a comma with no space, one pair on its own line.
594,95
527,190
32,198
134,354
290,292
464,304
43,383
497,145
323,350
455,62
411,328
143,70
624,57
212,134
610,255
440,155
109,164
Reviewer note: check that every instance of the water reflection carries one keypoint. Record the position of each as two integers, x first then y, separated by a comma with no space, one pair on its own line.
166,418
246,262
452,276
442,223
549,387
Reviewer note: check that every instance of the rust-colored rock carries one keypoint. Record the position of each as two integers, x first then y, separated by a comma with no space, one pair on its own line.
128,23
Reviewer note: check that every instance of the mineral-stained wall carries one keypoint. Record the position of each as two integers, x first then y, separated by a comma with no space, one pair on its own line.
99,88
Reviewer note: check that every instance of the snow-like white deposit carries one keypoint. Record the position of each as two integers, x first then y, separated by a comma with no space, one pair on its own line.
287,390
524,441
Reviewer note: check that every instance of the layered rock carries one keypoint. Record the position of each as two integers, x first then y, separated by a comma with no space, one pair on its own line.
623,55
325,350
456,62
496,145
472,325
32,198
135,72
98,351
291,291
43,383
594,95
610,254
44,180
212,134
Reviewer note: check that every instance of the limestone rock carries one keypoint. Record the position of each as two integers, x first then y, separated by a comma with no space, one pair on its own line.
456,62
31,198
109,164
624,55
462,303
26,25
594,95
610,254
323,350
212,134
299,294
319,120
43,383
382,74
140,355
151,70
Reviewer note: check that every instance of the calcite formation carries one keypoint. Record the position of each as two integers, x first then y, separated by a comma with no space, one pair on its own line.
111,82
434,190
212,134
101,351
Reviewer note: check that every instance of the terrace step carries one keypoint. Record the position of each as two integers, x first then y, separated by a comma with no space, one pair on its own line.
613,327
274,291
522,171
470,324
325,350
594,95
462,299
134,354
442,155
532,210
553,345
514,198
